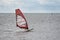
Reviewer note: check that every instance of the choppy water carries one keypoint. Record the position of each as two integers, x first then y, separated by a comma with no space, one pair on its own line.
46,27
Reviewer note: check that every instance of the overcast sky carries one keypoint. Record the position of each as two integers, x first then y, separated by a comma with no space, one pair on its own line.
30,6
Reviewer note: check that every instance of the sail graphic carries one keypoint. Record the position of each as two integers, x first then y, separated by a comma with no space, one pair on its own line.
21,21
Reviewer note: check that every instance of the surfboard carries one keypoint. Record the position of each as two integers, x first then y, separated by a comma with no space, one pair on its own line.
28,30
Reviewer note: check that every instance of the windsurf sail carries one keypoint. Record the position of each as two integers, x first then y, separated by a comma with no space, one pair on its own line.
21,21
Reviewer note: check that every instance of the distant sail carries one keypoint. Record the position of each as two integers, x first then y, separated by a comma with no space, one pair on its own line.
21,20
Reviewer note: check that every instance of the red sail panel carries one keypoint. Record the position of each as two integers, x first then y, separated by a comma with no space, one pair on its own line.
21,20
